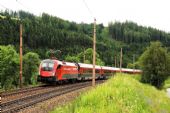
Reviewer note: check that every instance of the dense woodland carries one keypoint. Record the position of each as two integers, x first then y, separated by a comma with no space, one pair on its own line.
41,33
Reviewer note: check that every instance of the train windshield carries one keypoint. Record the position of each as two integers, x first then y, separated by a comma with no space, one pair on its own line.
47,65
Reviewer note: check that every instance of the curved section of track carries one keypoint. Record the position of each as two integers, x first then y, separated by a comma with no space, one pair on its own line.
20,103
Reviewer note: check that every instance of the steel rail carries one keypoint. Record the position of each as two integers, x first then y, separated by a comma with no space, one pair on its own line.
18,104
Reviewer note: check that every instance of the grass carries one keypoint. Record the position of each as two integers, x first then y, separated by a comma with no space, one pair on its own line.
135,76
165,86
167,83
121,94
15,88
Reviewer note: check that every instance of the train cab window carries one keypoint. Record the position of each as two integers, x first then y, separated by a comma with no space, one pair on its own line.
51,65
44,65
47,65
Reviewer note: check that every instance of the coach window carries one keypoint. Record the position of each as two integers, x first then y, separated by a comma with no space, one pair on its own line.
97,71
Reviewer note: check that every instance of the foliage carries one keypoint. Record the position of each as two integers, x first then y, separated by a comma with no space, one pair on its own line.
167,83
9,67
155,64
85,57
135,65
72,59
53,54
9,71
30,68
45,32
130,32
121,94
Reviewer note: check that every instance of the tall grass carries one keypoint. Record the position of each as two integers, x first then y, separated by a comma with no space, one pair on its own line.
167,83
121,94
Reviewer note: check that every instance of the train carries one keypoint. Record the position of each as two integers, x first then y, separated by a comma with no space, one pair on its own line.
53,70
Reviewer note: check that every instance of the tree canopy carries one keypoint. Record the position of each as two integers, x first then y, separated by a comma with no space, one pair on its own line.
31,63
155,64
85,57
45,32
9,67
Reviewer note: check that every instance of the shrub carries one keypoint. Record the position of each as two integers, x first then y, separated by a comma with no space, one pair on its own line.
30,67
9,67
155,65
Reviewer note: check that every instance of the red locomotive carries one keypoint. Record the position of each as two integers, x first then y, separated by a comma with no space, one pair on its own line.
52,70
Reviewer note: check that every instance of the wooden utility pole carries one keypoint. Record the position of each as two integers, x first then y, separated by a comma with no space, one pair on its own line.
133,63
20,80
121,60
94,54
0,102
84,57
115,60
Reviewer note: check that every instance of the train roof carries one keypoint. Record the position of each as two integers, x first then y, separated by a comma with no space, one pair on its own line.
131,70
60,62
66,63
110,68
126,69
69,64
88,66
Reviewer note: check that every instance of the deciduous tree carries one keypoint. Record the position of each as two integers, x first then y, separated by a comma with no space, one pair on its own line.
155,64
30,67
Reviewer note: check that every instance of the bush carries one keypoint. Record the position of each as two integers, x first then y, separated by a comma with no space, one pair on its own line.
155,65
30,67
9,67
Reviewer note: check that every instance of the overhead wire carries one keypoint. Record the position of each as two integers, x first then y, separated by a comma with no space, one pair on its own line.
89,10
5,7
23,5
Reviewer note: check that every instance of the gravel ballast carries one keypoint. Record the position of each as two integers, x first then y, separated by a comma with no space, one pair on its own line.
49,105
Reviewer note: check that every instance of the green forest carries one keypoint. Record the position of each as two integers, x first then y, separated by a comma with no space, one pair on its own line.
46,32
41,33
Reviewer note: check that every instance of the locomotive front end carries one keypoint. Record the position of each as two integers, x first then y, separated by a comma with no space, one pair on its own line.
47,71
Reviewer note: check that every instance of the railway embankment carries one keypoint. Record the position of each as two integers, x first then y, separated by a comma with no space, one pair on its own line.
18,100
119,94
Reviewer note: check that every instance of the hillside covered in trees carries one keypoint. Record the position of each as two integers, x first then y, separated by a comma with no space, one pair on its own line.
45,32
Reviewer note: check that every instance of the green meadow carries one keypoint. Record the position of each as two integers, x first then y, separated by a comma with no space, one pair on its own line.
120,94
167,83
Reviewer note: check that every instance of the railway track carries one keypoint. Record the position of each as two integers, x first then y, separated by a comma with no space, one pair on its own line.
21,103
19,91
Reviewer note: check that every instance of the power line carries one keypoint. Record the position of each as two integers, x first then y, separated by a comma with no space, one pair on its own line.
88,8
3,6
23,5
